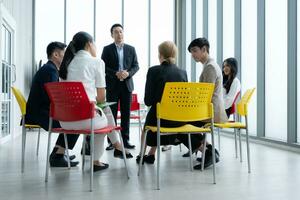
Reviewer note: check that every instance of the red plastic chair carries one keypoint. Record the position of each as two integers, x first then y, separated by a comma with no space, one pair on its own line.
69,102
135,106
232,112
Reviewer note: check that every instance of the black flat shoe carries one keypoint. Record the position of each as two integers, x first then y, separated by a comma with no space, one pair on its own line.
61,162
100,167
149,159
187,154
146,159
207,152
208,160
119,154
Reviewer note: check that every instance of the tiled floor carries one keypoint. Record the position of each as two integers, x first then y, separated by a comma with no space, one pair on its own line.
275,176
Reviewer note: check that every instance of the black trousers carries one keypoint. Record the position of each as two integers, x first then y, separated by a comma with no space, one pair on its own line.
124,96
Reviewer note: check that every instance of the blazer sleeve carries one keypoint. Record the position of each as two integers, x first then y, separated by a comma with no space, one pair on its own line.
209,75
149,89
105,57
134,67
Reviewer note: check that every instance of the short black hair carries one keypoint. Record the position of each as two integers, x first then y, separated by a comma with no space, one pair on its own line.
199,42
53,46
114,26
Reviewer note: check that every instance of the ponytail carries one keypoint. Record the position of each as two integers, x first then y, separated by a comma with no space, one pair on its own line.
78,43
68,57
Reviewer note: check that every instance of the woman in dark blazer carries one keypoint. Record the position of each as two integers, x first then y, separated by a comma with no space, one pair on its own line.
157,76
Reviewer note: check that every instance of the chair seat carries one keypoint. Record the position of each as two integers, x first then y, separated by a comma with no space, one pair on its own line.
182,129
231,125
32,126
87,131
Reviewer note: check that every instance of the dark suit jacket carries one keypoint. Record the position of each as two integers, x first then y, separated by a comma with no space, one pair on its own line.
157,77
110,57
38,103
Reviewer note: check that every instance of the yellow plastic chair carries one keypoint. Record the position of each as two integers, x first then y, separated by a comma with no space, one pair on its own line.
22,104
183,102
242,110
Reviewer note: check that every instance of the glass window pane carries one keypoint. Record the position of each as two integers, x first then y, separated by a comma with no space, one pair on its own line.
212,28
276,69
248,65
47,20
188,33
162,25
199,32
228,28
80,17
136,34
298,72
107,14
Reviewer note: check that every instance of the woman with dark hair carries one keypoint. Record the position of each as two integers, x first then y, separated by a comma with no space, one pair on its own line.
231,83
80,64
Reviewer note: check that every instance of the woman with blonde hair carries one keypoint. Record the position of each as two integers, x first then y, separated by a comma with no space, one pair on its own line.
157,76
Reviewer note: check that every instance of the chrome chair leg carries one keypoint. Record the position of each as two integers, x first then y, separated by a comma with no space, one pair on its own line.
67,150
240,142
203,153
38,142
124,154
23,144
190,151
142,152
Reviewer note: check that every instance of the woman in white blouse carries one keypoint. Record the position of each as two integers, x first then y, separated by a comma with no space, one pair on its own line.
231,83
80,64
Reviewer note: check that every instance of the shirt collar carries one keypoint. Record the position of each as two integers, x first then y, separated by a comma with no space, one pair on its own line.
119,45
84,53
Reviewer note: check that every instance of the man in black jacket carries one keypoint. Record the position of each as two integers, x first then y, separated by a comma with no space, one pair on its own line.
120,66
38,104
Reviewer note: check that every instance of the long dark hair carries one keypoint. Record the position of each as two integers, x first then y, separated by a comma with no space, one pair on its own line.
227,80
78,43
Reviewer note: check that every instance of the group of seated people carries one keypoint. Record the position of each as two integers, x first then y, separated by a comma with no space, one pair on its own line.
79,62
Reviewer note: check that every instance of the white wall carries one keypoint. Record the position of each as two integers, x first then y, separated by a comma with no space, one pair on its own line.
21,12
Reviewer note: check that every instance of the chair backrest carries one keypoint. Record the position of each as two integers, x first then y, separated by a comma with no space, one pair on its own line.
20,99
135,105
232,110
242,106
69,101
183,101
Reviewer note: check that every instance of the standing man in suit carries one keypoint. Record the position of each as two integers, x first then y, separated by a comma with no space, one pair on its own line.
38,104
120,65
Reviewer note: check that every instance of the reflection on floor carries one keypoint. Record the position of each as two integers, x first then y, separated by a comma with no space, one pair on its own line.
275,175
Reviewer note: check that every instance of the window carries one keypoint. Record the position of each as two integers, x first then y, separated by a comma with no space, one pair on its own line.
298,73
212,28
107,14
162,26
80,17
188,33
248,65
276,69
136,34
199,32
228,28
49,16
